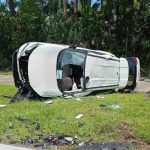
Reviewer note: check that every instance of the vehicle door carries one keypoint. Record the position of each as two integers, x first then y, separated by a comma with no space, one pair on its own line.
101,71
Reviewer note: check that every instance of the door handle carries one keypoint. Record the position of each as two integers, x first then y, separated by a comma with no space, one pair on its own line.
87,79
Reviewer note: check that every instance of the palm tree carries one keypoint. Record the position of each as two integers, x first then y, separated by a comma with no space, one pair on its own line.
75,5
64,5
11,6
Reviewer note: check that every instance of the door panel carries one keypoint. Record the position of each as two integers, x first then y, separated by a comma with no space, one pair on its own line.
102,71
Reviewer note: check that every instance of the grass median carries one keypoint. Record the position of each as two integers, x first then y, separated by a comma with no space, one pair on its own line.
6,73
129,122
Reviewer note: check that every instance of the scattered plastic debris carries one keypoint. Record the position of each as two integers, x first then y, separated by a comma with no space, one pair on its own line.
59,139
2,106
81,144
76,137
116,90
78,99
103,105
147,92
105,146
49,102
69,139
68,97
23,120
102,97
79,116
113,106
128,91
34,141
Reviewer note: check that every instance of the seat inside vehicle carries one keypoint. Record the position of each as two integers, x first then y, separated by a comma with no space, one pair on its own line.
70,69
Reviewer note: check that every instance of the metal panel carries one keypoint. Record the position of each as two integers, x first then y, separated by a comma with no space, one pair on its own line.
101,72
42,70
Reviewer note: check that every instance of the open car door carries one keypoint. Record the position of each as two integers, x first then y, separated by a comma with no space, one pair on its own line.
101,71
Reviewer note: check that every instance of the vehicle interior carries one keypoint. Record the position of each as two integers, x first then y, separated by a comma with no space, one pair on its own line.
70,70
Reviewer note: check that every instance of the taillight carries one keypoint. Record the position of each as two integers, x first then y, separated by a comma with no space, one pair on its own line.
135,60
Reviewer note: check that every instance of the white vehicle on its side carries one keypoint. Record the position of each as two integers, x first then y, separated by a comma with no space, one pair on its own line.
50,70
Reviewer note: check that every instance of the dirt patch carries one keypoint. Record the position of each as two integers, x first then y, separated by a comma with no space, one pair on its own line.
6,79
143,86
127,135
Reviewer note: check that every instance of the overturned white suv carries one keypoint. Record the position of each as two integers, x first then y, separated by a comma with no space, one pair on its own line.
50,70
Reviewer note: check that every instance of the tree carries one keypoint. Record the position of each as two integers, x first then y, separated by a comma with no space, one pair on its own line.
85,3
11,6
75,5
64,5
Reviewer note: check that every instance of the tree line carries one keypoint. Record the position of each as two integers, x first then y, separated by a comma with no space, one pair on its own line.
118,26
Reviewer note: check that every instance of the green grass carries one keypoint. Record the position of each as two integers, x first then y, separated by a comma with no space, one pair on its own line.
130,123
5,72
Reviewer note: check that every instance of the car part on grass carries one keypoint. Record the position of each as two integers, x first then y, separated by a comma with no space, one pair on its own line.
113,106
58,139
49,102
103,105
78,99
2,106
6,96
79,116
67,96
100,97
148,92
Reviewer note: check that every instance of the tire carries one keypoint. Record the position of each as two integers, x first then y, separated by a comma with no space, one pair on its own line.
132,73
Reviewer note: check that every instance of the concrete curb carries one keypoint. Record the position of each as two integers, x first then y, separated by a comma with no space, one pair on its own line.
12,147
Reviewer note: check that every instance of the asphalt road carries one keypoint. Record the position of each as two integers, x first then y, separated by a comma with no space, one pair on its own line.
10,147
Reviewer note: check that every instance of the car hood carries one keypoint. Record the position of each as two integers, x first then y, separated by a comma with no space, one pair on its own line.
42,70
